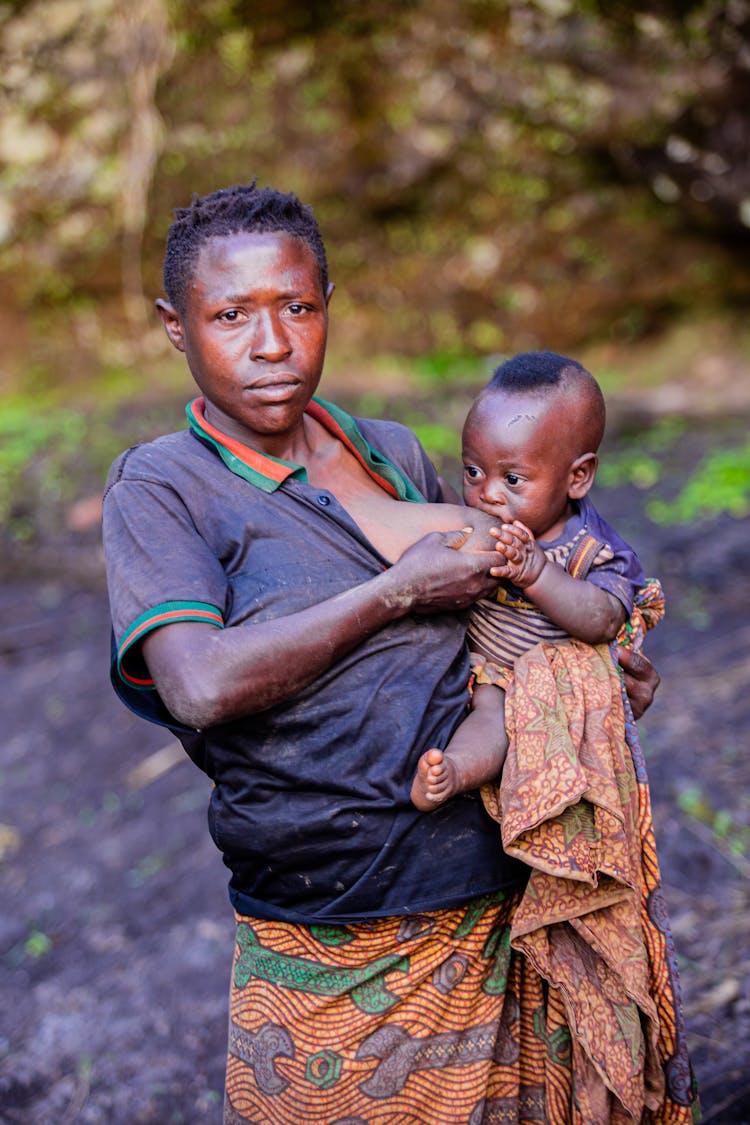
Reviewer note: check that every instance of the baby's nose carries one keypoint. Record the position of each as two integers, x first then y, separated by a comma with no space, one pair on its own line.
493,492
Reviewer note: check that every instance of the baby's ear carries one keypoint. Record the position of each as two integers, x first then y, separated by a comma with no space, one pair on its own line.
581,475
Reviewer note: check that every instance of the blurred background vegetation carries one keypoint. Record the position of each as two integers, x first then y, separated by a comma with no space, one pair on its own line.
489,175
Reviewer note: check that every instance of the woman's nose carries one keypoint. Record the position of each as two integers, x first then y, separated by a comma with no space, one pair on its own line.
269,339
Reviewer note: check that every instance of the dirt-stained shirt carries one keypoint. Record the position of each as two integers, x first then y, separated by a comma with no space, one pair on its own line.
311,805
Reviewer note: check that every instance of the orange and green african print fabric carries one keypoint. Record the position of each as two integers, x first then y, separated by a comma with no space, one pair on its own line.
424,1019
418,1020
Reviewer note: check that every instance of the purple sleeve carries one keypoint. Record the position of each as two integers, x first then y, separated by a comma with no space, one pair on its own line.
616,569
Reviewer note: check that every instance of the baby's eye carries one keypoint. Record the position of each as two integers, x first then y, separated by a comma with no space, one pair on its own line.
471,471
512,478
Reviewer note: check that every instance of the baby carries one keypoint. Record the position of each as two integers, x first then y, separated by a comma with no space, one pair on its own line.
530,446
569,803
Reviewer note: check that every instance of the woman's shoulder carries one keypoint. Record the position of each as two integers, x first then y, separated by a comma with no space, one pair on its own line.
158,460
386,430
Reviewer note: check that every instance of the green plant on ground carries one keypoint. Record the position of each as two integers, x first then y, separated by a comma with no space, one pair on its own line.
638,458
37,450
629,467
52,454
721,483
729,833
37,944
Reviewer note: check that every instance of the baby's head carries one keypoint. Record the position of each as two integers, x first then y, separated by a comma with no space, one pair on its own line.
530,441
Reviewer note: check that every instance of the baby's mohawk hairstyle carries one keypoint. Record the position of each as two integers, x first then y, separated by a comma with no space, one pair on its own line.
532,371
232,210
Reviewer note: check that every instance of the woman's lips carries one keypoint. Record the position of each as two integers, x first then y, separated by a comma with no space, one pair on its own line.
274,387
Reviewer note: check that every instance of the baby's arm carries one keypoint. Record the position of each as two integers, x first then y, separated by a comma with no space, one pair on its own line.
579,607
474,755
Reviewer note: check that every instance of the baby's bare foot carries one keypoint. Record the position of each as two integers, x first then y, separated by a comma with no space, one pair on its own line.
435,781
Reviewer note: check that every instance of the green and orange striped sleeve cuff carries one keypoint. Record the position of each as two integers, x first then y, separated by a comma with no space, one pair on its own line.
135,673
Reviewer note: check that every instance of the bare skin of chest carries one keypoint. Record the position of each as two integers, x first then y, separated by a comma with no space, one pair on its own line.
392,525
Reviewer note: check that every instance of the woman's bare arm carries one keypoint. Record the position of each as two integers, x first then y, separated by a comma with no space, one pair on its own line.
207,676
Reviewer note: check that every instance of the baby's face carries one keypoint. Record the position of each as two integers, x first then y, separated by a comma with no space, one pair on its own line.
517,457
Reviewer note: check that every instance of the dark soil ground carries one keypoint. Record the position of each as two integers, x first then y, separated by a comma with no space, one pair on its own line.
115,930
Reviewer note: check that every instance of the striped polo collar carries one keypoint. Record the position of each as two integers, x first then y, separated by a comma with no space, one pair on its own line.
267,472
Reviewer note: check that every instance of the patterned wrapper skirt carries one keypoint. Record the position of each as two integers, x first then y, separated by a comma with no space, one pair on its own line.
418,1020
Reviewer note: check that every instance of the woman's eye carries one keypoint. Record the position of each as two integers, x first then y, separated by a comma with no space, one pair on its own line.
297,309
230,316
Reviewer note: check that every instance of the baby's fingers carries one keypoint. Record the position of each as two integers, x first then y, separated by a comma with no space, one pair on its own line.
506,538
520,531
515,532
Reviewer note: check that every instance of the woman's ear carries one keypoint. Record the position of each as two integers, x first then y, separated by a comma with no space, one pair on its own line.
172,322
581,475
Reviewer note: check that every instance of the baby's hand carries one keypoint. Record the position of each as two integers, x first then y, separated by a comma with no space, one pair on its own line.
524,558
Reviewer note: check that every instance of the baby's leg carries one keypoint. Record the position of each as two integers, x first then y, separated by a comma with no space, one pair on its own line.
474,755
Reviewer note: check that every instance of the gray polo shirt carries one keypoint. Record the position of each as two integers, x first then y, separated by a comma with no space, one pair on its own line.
311,801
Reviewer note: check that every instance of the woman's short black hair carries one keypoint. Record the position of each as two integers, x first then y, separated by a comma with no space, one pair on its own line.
232,210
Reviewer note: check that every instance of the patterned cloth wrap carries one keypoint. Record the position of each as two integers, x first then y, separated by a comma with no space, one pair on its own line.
573,803
425,1019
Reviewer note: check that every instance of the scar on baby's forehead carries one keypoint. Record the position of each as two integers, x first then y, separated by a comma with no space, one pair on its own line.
521,418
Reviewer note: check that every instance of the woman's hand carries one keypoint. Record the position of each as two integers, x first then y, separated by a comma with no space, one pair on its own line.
436,576
641,679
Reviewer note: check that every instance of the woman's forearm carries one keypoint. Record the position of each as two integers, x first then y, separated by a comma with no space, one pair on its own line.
207,676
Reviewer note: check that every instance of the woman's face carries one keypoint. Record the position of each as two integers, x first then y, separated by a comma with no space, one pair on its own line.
254,333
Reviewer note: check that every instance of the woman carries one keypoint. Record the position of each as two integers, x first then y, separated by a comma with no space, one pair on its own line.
307,676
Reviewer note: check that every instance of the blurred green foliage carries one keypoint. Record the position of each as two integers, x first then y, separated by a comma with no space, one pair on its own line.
36,453
52,454
37,944
639,456
729,832
720,483
490,176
